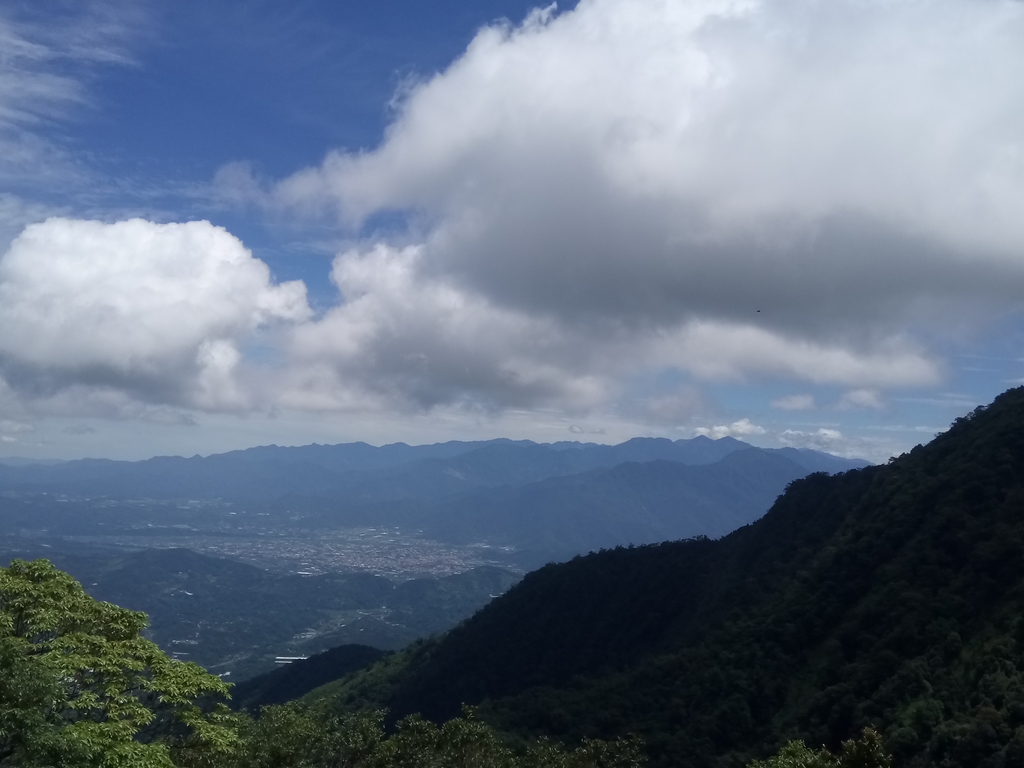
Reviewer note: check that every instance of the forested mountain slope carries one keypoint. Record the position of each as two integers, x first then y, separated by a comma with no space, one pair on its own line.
891,596
290,681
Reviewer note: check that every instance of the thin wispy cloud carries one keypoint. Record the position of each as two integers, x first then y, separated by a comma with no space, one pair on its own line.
862,398
46,61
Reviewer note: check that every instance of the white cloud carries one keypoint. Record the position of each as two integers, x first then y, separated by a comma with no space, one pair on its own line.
405,336
718,157
107,314
121,319
862,398
741,428
794,403
737,189
732,189
718,351
824,438
399,338
235,183
840,443
16,213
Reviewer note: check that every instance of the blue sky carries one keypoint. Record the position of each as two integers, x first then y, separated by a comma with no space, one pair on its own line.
226,224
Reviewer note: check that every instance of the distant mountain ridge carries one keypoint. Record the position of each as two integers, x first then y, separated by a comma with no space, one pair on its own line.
542,501
639,503
359,472
21,461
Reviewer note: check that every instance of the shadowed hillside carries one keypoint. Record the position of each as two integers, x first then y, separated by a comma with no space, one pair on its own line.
891,596
291,681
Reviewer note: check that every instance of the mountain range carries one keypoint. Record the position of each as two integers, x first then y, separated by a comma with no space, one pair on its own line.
889,597
357,472
544,501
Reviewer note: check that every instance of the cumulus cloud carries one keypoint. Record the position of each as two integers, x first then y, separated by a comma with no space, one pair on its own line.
721,157
404,334
106,315
16,213
741,428
733,190
399,337
738,188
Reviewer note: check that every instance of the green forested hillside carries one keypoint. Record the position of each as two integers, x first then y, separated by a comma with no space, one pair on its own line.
81,688
891,596
291,681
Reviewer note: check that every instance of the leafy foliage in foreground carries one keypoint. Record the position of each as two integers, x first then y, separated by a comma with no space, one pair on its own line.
79,686
292,736
865,752
890,597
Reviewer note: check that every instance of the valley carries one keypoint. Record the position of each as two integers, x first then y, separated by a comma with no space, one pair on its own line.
384,551
242,558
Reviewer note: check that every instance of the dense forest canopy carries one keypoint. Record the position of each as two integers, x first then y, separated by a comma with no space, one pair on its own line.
889,597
